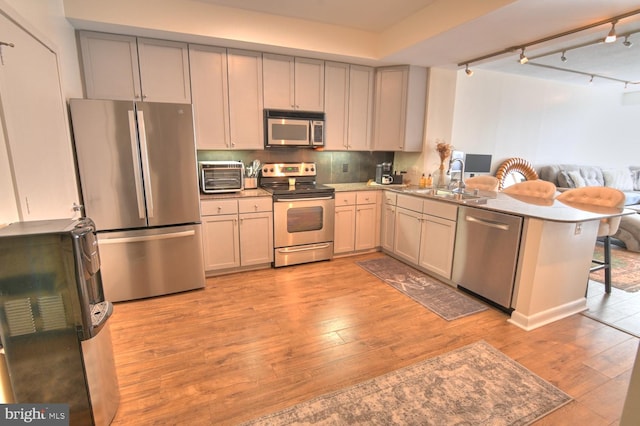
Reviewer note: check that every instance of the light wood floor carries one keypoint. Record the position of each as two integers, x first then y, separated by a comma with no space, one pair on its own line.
255,342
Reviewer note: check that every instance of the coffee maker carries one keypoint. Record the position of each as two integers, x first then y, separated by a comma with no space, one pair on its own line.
383,173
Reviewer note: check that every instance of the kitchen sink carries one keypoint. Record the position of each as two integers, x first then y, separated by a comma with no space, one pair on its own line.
463,197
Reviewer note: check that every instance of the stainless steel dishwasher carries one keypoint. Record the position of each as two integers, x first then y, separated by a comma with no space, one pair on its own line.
486,254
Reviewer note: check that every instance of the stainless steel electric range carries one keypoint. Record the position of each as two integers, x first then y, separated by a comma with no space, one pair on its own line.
303,213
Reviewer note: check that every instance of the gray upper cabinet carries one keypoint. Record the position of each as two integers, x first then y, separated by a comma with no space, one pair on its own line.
400,105
293,83
227,98
348,106
122,67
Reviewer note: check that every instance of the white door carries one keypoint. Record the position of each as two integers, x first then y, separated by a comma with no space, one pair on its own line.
34,120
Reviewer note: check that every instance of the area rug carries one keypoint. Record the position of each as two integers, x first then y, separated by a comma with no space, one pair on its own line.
473,385
625,268
434,295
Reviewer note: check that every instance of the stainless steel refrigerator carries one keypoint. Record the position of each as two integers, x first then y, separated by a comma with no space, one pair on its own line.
54,320
138,175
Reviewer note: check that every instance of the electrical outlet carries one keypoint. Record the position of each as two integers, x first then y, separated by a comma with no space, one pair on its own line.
345,168
578,230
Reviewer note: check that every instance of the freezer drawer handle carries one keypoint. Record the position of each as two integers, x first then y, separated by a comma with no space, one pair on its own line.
303,248
146,170
489,223
147,238
135,154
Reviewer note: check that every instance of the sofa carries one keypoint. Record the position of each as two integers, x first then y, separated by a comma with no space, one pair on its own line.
626,179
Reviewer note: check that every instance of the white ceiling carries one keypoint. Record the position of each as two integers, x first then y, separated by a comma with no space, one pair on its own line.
520,22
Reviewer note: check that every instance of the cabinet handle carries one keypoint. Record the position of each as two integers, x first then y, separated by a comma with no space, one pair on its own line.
219,209
255,207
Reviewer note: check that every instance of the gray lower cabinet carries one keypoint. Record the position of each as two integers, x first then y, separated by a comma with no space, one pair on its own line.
237,233
423,232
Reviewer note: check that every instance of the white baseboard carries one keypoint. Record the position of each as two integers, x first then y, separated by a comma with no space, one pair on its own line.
539,319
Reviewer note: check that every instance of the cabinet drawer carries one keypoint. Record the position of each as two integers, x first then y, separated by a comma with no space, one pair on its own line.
410,203
345,198
390,198
253,205
437,208
216,207
366,197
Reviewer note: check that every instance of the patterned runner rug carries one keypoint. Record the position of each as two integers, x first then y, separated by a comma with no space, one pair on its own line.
434,295
625,268
473,385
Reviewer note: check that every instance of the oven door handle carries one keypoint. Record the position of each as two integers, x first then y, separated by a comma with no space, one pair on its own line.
289,200
303,248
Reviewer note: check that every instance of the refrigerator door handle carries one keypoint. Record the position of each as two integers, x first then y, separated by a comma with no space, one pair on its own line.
135,156
106,240
146,170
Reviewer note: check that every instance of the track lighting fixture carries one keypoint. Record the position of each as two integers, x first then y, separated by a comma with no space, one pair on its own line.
591,80
611,37
562,57
626,42
468,71
523,58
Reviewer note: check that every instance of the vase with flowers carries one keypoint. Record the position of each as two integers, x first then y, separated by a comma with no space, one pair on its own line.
444,151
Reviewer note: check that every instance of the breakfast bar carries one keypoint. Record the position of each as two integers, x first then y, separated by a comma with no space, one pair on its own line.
553,256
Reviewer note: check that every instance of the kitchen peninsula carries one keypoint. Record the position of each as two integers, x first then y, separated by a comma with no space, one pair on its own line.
553,258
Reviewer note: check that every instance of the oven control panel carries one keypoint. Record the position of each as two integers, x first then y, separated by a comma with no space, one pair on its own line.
288,169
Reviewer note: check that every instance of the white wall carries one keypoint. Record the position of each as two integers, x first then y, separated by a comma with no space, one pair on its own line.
544,122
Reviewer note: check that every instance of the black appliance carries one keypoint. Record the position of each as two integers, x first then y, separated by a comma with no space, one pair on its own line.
54,319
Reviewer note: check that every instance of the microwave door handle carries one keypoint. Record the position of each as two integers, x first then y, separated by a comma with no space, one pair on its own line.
146,170
135,157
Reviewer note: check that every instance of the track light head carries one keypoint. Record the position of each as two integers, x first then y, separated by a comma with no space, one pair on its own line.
523,58
591,80
468,71
562,57
611,37
626,42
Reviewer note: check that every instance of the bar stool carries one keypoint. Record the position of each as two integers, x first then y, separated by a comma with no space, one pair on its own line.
482,183
536,188
590,198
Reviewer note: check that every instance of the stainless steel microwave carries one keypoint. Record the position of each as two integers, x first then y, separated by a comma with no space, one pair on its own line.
221,176
302,129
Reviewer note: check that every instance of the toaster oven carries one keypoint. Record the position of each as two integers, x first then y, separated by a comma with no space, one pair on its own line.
221,176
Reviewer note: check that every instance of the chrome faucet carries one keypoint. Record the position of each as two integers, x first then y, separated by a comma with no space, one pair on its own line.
461,185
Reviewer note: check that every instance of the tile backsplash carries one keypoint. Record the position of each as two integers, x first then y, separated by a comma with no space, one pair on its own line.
333,166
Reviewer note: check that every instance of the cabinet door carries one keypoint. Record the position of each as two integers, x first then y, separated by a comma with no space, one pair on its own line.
436,247
309,84
407,235
365,226
221,242
210,96
344,229
246,126
388,227
279,81
360,107
336,105
110,64
34,123
164,71
390,108
256,238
